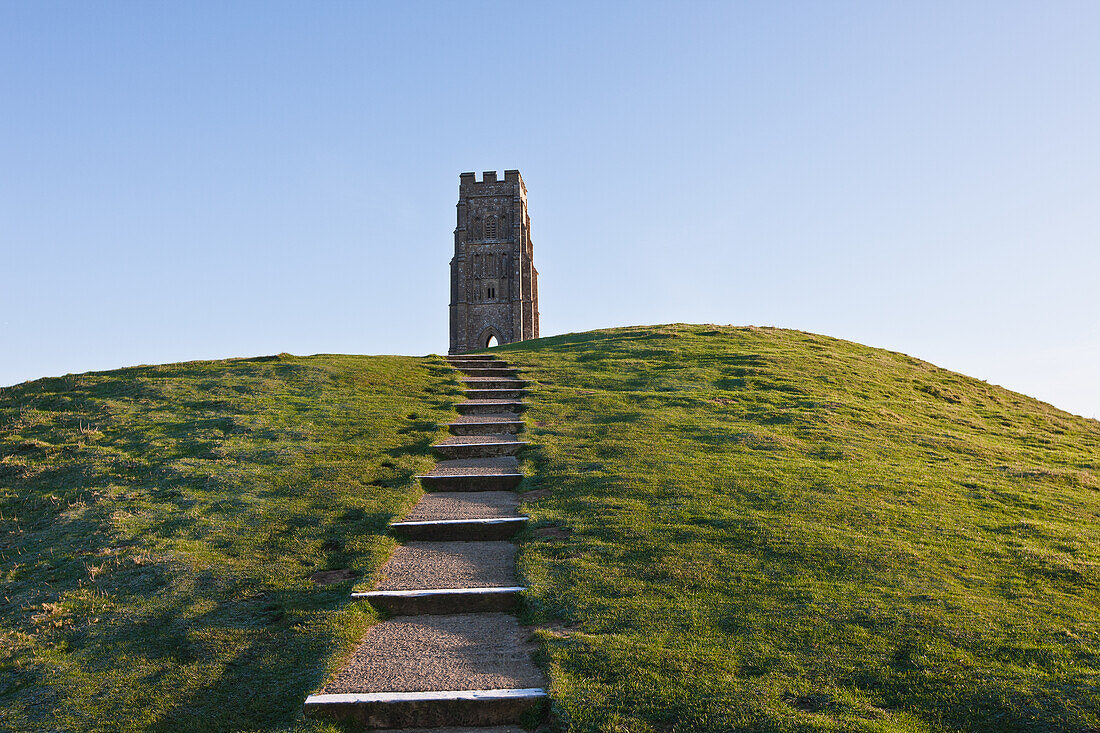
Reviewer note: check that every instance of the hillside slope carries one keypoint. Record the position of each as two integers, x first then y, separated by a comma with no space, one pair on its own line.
759,529
165,532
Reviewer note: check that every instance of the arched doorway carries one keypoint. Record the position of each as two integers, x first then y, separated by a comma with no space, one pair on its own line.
489,338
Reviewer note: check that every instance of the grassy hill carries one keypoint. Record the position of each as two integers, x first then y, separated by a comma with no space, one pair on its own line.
760,529
738,529
163,531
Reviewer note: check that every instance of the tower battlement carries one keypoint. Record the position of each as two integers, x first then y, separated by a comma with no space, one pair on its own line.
510,176
494,285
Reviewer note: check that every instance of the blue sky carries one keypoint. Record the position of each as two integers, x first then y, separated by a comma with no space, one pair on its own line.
200,180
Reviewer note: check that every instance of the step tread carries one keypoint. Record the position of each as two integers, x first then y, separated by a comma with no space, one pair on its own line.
437,522
465,505
417,592
497,393
496,417
488,371
428,565
479,380
430,695
461,652
491,439
499,465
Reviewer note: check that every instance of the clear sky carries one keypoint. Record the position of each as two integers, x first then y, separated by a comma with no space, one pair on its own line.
199,180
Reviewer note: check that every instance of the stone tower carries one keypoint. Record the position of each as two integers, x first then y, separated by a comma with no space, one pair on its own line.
494,285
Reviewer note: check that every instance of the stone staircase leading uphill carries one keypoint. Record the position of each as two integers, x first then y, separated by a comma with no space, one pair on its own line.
451,655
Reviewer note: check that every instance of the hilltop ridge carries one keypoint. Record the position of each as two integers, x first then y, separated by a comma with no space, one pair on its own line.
734,529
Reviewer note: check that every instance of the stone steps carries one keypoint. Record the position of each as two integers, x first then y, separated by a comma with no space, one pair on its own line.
495,394
436,670
471,357
490,407
461,707
448,656
495,423
427,565
485,364
480,446
443,600
473,474
483,371
465,505
459,530
494,383
460,361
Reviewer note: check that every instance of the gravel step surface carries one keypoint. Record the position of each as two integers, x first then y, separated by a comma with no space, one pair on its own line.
427,565
494,729
465,505
478,466
481,651
495,417
475,381
467,439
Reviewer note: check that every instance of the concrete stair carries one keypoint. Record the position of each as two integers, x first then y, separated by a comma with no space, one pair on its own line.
495,394
490,407
488,371
460,530
435,670
494,424
443,600
473,474
449,655
494,383
480,446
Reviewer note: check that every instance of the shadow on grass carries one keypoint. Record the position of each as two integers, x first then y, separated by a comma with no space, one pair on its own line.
170,519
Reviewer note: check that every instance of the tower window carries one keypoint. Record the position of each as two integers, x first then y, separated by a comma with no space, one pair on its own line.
492,293
491,228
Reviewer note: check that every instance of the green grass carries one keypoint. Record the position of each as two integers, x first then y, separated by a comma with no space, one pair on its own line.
738,529
769,530
159,527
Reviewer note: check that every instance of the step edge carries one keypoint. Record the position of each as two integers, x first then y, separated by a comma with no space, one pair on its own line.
486,445
469,475
429,592
458,522
514,693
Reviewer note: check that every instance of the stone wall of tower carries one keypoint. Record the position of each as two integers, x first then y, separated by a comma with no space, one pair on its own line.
494,285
